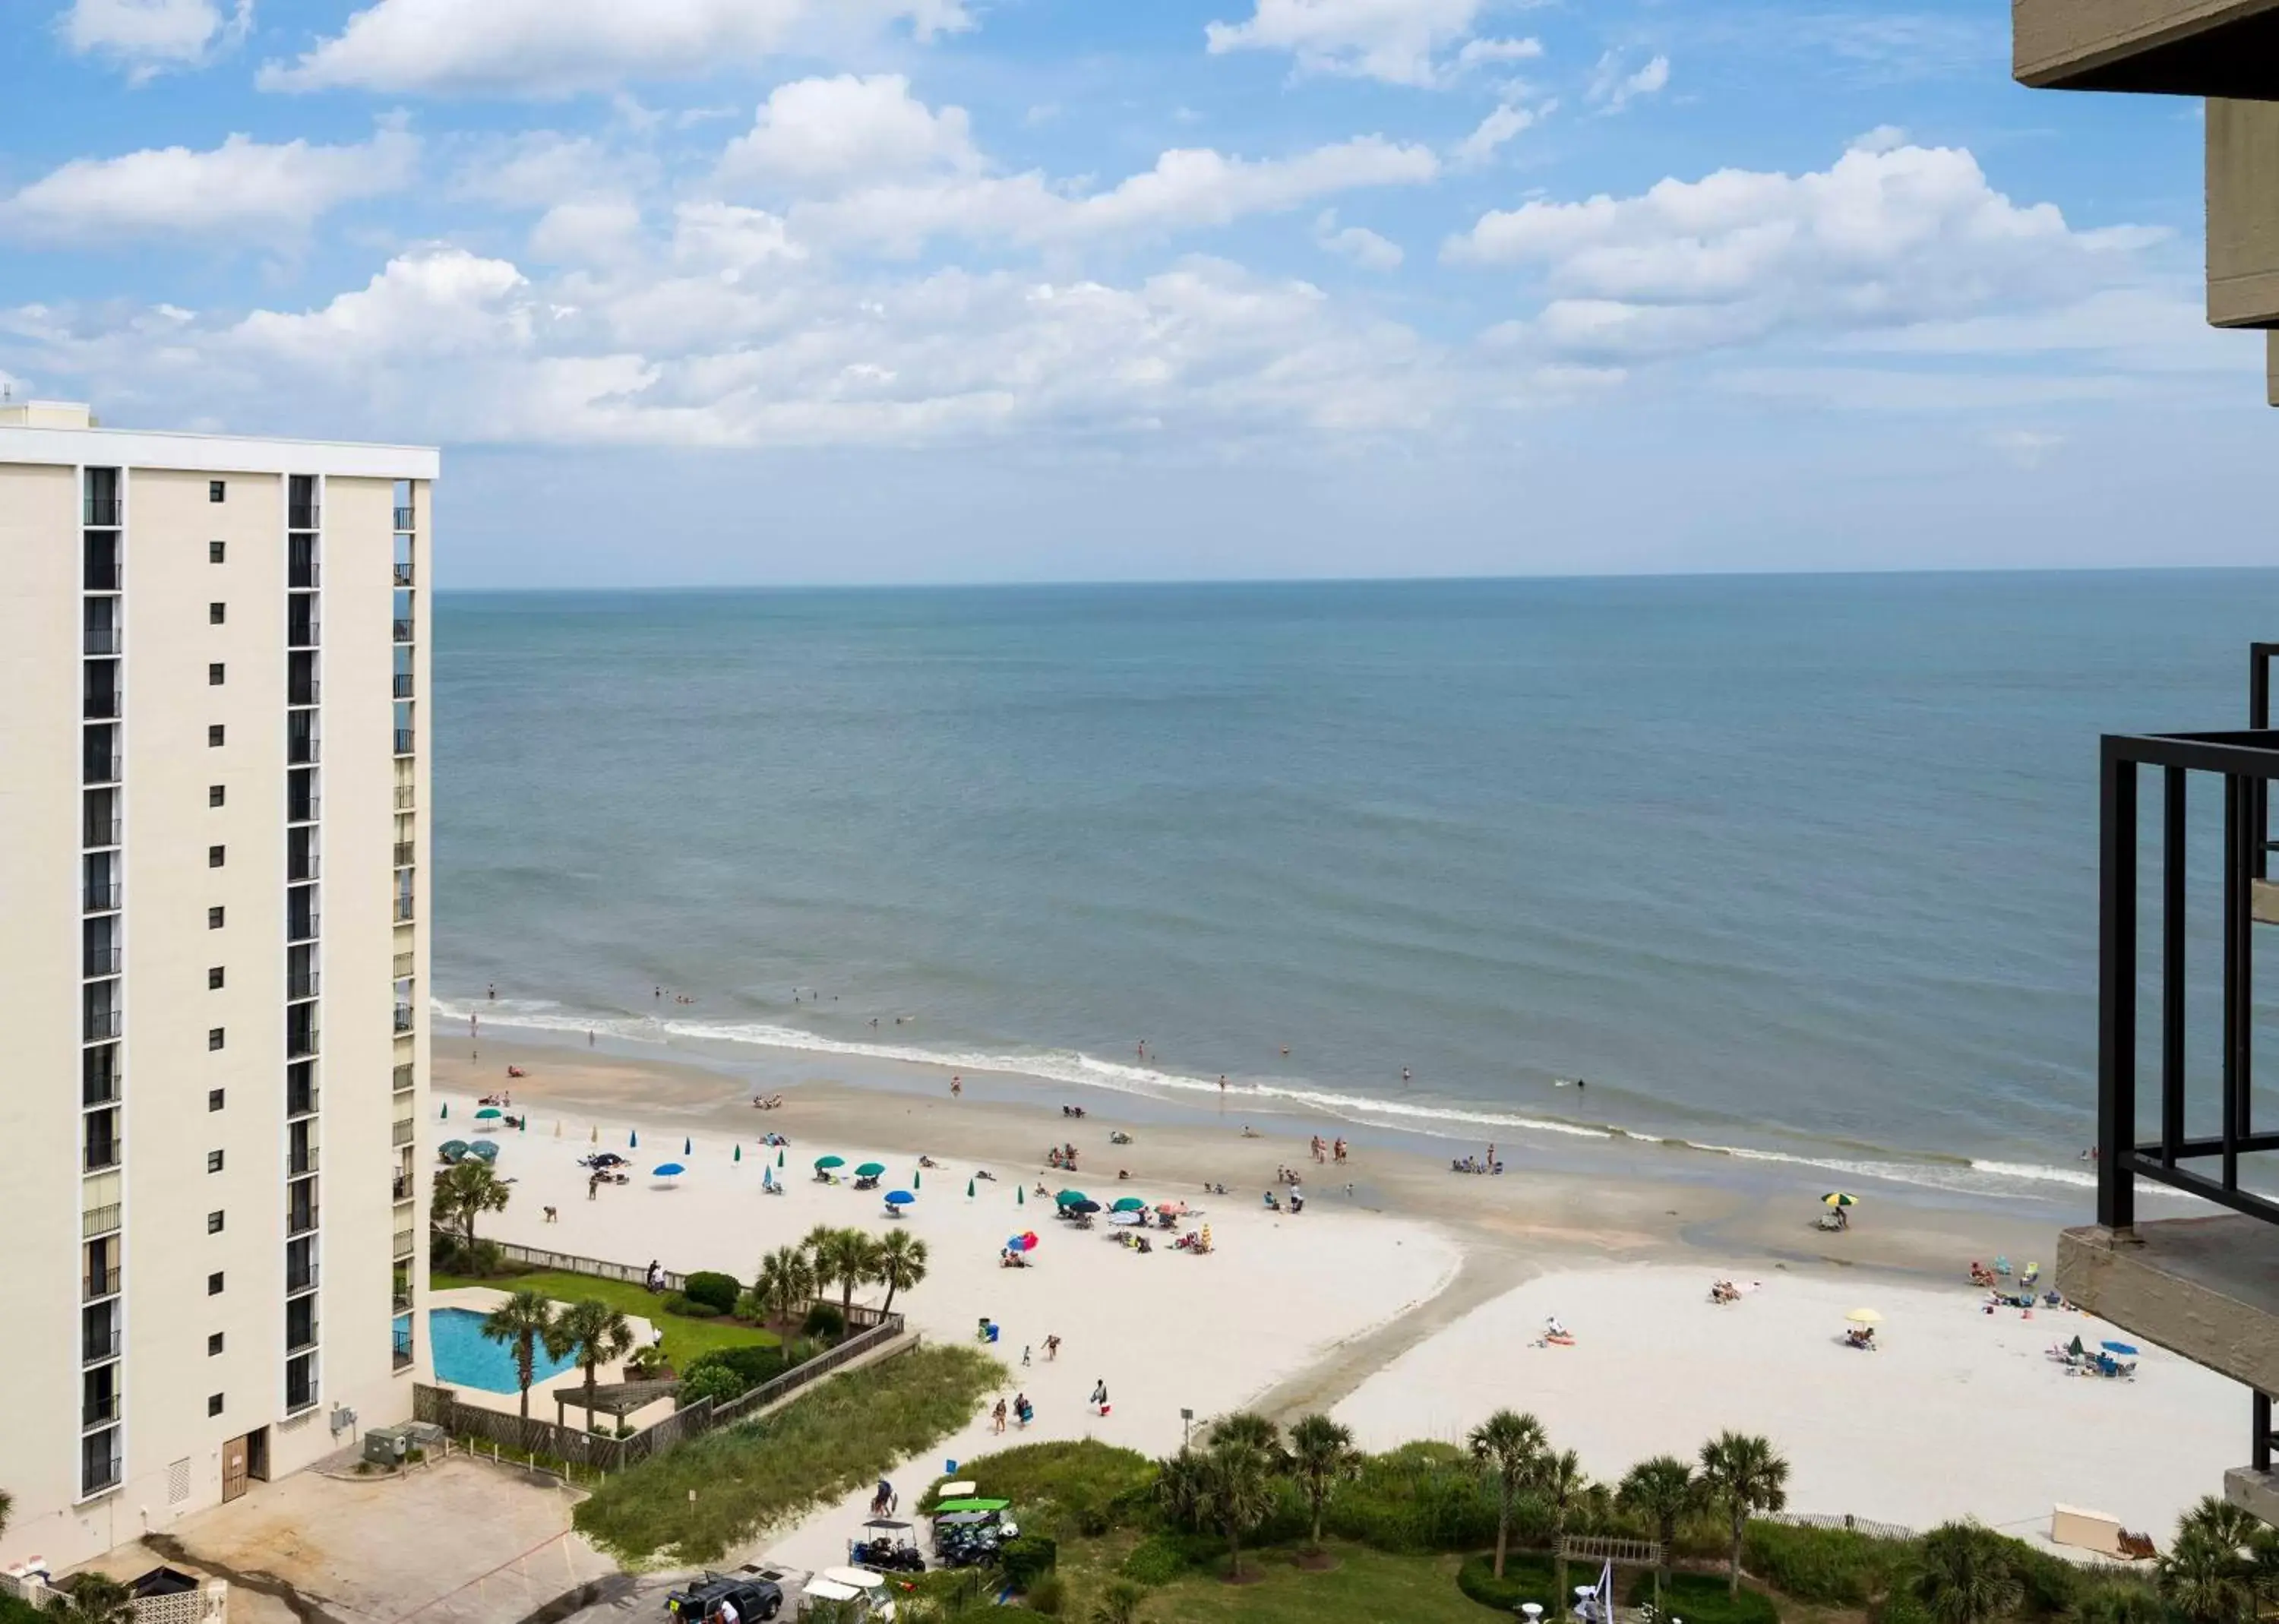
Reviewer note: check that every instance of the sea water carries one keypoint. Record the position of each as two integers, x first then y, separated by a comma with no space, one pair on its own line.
1799,867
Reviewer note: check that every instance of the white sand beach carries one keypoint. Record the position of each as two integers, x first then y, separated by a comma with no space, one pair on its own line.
1957,1413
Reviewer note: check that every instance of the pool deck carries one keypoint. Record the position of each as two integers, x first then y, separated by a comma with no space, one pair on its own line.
482,1299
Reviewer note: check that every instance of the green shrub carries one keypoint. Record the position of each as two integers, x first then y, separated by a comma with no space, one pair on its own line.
1422,1497
2052,1584
1045,1596
824,1322
1700,1598
1526,1577
716,1381
1082,1489
1833,1566
1157,1560
15,1611
1027,1557
714,1291
750,1307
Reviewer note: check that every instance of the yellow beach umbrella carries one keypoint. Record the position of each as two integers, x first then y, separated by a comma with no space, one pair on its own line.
1864,1316
1837,1197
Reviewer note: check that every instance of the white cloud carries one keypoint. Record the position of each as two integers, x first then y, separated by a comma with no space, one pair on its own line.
536,168
241,191
1189,189
147,37
1357,243
1397,40
1882,138
831,131
1612,89
1497,128
1480,53
587,231
562,47
1877,241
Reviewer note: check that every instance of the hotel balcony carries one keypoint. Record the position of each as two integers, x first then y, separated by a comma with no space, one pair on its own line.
403,519
2215,48
2205,1287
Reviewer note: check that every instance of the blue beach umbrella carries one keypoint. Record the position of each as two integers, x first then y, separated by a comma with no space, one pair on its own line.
668,1169
899,1198
2121,1348
632,1139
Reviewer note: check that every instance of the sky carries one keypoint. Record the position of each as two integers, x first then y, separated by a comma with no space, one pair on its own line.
866,291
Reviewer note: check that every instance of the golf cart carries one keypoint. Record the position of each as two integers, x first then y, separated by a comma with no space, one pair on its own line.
854,1593
887,1547
967,1530
754,1593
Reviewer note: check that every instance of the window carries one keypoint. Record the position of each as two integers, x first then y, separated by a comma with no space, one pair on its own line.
213,1227
213,1161
213,1100
213,1404
217,613
213,1036
213,919
216,489
214,675
213,1280
216,551
214,736
213,1345
215,794
216,855
214,979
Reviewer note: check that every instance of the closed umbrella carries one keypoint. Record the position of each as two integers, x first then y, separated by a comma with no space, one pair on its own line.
687,1147
917,1179
969,1189
1127,1204
779,1159
632,1139
869,1170
1020,1195
739,1156
447,1112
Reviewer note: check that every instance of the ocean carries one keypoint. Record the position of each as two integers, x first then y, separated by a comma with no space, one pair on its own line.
1799,867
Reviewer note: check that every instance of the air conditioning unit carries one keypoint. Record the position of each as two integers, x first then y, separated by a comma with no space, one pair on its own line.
342,1420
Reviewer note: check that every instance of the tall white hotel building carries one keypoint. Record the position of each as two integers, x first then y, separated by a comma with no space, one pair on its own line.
214,828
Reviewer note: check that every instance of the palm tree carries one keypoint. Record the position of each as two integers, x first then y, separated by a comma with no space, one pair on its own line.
1746,1476
1118,1603
786,1280
97,1598
1963,1575
1249,1426
7,1505
2125,1601
1558,1478
595,1333
1507,1444
463,1192
1322,1456
902,1264
2218,1519
843,1258
1239,1484
1661,1491
523,1321
2205,1579
1180,1488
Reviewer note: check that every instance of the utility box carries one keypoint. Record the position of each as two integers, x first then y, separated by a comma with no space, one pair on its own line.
388,1446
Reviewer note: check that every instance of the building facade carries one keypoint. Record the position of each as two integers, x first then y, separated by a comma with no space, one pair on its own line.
213,874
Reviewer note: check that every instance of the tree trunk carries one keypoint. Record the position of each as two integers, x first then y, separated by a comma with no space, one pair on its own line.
525,1366
1559,1570
889,1308
1733,1578
1318,1523
592,1367
1503,1535
1234,1549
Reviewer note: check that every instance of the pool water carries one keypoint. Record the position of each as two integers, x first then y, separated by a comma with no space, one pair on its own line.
467,1358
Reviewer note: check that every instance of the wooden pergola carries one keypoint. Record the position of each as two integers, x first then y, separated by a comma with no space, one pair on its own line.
615,1399
1611,1548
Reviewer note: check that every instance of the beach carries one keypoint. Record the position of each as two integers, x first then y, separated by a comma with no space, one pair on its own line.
1407,1307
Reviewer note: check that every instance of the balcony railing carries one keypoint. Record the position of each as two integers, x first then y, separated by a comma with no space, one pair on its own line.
102,1024
103,574
301,1162
302,1044
301,515
304,691
404,741
400,1185
101,1155
400,1301
298,871
403,519
403,910
94,1347
100,1464
104,641
303,749
403,1077
99,1220
403,1017
403,631
303,631
403,685
96,1286
300,987
399,1357
403,1246
99,961
400,1134
103,898
100,1411
300,1220
300,1279
96,832
404,961
404,860
105,512
406,797
403,574
99,767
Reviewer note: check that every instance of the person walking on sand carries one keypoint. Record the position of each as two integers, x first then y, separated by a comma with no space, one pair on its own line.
1024,1356
956,1087
1052,1347
1100,1396
997,1417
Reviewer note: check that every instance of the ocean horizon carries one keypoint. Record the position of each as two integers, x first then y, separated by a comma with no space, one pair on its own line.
1798,866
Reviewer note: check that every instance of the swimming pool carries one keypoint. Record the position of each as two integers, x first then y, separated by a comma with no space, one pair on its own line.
465,1358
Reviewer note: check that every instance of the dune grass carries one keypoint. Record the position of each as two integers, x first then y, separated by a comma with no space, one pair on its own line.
843,1434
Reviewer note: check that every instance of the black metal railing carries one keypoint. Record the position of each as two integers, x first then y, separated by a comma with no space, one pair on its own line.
299,987
404,741
100,831
98,1284
99,961
301,1278
102,1024
95,1346
403,519
105,1153
100,1411
301,515
403,572
105,512
403,1017
104,641
403,1077
402,631
403,910
403,856
403,684
103,898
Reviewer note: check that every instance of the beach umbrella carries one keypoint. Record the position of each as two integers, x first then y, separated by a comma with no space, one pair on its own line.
869,1170
668,1169
688,1147
1069,1197
486,1148
488,1114
446,1111
632,1139
899,1198
1125,1218
1084,1206
523,1126
593,1134
1837,1197
824,1164
1864,1316
767,1178
2121,1348
452,1148
1172,1209
1127,1204
779,1159
969,1189
739,1156
918,1179
1020,1195
1028,1239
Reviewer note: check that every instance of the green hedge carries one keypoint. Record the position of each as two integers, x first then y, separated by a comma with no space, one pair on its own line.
1157,1560
1028,1557
1701,1598
713,1289
1527,1577
1833,1566
1080,1489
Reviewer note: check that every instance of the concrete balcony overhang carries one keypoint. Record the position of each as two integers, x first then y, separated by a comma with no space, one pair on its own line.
2205,1288
2242,213
2254,1491
2223,48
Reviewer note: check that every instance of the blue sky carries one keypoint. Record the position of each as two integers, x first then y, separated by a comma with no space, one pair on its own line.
879,290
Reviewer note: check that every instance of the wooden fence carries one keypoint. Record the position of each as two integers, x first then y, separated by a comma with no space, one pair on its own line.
565,1262
1857,1524
593,1451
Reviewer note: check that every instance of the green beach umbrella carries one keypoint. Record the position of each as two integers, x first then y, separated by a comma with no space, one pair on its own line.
446,1111
739,1156
824,1164
871,1169
1128,1204
969,1189
523,1126
779,1159
687,1147
1069,1197
632,1139
917,1180
1020,1195
488,1114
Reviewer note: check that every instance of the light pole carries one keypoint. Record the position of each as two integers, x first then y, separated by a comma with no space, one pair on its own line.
1186,1426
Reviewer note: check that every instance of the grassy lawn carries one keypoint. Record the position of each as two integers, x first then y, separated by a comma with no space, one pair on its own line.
840,1435
1367,1587
684,1338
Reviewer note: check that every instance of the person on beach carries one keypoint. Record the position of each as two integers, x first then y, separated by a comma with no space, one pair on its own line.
1052,1347
956,1087
997,1417
658,994
1404,1074
1024,1356
1100,1396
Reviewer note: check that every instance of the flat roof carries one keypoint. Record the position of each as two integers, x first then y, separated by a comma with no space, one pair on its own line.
222,453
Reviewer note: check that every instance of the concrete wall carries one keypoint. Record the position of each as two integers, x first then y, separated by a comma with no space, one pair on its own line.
2242,213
